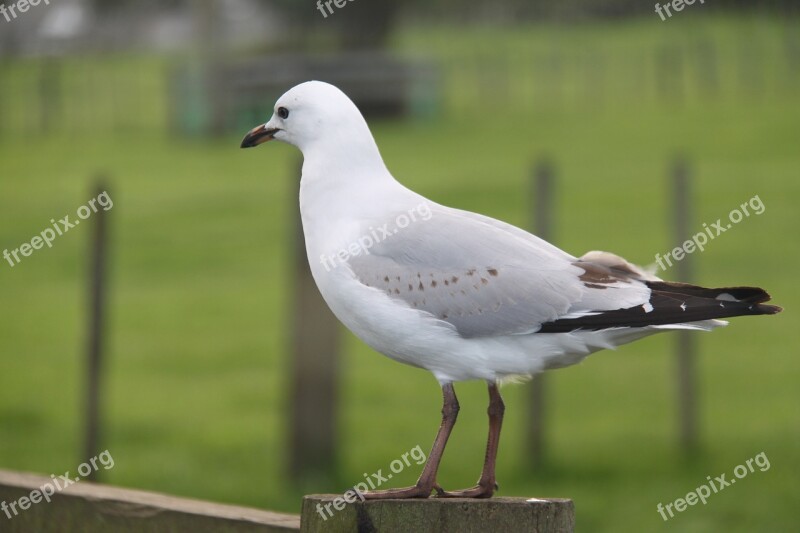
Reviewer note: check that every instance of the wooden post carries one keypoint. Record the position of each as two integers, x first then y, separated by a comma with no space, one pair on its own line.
542,199
315,365
670,74
329,513
685,347
49,95
707,67
210,46
792,50
5,109
96,333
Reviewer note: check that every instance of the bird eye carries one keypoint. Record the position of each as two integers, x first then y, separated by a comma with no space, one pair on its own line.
283,113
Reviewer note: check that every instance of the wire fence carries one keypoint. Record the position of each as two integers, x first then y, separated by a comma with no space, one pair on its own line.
570,68
520,70
97,94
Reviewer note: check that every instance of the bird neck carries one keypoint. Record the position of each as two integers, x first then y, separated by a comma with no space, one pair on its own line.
344,162
338,194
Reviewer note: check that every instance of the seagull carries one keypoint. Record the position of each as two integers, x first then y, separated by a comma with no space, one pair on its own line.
465,296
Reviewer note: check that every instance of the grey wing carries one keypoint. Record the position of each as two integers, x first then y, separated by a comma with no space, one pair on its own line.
479,277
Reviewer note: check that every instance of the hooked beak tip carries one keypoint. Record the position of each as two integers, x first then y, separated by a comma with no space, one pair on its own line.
258,135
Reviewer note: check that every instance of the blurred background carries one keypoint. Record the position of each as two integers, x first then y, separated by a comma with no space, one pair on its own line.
179,330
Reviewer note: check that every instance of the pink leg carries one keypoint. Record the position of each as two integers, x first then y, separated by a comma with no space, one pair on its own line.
486,484
427,480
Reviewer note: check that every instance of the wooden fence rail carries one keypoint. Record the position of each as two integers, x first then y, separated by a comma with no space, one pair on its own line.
87,507
91,508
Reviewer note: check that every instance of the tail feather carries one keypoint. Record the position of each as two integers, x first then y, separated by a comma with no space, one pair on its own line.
673,303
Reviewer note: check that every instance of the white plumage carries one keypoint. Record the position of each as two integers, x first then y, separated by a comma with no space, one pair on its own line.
457,293
483,326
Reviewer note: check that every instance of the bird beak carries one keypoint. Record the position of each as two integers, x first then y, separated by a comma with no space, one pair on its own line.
258,135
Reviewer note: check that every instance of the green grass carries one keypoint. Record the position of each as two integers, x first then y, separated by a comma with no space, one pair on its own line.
196,379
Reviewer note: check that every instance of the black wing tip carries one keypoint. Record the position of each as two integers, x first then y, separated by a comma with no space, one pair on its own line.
674,303
769,309
753,295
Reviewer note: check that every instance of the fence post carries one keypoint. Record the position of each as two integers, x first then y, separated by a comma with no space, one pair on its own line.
670,74
330,513
49,94
96,331
315,365
685,347
541,191
210,45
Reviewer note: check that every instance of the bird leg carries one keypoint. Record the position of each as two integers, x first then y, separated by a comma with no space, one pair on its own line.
427,480
486,484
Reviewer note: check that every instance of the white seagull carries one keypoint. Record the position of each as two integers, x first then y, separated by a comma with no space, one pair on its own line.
457,293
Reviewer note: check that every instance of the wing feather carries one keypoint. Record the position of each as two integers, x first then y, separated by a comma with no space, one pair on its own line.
485,279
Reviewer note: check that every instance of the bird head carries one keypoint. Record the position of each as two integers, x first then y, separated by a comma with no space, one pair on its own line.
307,114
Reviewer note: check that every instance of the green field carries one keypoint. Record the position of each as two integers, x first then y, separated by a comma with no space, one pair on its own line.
196,381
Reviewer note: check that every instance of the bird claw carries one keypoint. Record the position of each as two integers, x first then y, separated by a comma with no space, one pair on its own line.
478,491
398,494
